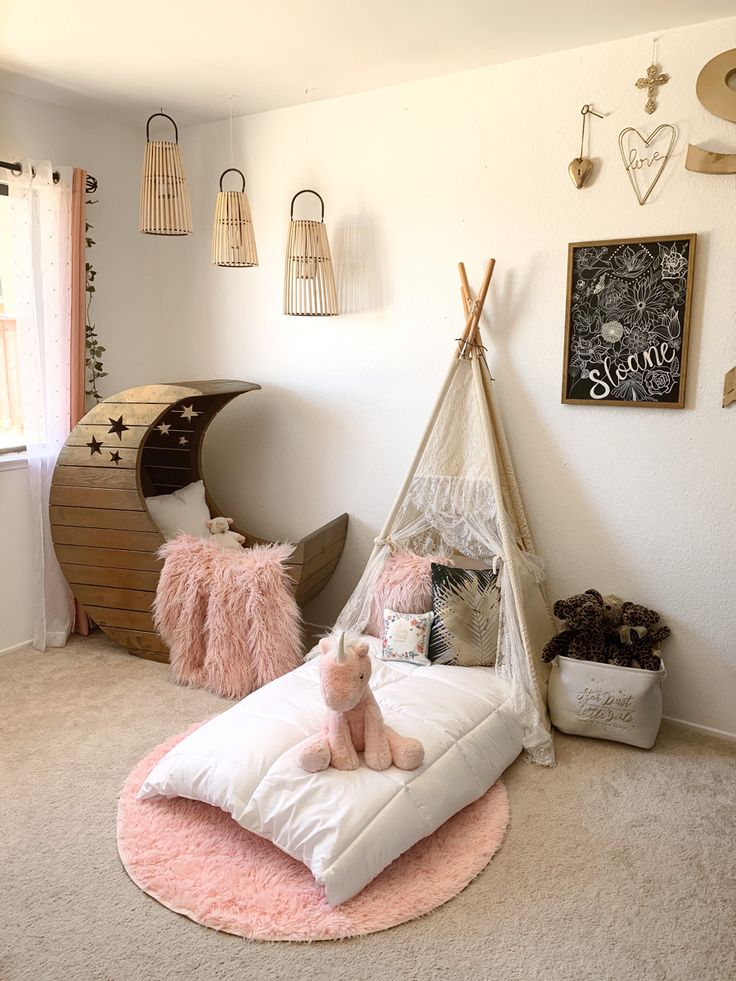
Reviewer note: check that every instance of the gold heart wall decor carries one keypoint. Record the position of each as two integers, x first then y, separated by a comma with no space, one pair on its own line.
581,167
580,170
643,158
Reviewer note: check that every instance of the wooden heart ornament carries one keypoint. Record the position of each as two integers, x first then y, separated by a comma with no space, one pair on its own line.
580,170
644,157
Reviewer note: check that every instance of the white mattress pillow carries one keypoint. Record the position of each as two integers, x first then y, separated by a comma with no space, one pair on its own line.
406,636
183,512
348,825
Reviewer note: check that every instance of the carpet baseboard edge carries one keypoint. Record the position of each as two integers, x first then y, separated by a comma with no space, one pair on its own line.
708,730
15,647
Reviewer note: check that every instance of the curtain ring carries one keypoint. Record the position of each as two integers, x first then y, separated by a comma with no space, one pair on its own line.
56,176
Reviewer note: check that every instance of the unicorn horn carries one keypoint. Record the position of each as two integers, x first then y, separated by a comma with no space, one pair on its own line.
340,656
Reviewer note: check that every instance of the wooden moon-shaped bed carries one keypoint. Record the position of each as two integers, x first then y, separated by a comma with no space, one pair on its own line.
140,443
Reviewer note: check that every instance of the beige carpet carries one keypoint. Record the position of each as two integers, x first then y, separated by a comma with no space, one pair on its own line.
619,863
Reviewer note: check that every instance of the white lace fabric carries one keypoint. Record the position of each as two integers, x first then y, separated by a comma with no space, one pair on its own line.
461,500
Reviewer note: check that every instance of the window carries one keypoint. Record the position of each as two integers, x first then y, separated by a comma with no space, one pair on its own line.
11,417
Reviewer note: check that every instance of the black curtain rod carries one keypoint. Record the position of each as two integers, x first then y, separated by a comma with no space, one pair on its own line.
17,169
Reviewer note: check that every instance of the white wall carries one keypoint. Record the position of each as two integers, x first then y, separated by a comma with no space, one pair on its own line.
636,501
125,308
16,567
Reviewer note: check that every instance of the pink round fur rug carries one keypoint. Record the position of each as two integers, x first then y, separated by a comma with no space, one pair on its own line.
194,859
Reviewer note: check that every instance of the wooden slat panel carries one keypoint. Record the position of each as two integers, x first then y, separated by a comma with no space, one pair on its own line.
108,557
166,456
90,477
221,386
109,596
163,394
97,497
83,434
101,518
308,582
137,541
139,640
166,474
306,592
157,440
79,456
330,554
134,414
327,535
127,619
95,576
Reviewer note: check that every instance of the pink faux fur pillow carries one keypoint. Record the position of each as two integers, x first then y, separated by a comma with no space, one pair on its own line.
228,616
404,585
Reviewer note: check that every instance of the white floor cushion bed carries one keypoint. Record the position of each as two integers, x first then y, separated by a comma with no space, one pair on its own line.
348,826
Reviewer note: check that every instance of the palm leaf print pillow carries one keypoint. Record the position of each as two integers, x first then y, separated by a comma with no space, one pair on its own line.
465,603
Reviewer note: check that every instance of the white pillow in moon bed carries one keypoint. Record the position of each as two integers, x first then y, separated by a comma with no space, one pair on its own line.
183,512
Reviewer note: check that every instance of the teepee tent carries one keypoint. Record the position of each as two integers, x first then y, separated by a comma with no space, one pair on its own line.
460,497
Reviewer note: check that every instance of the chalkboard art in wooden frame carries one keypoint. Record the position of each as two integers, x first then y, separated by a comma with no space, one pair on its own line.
628,321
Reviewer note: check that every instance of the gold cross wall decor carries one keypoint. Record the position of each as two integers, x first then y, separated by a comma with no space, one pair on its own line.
651,82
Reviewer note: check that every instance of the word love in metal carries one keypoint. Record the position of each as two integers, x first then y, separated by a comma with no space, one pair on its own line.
644,162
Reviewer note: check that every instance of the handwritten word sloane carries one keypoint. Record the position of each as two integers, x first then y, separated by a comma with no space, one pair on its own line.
612,375
605,707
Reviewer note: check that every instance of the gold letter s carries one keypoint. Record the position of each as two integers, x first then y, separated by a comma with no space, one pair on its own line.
718,97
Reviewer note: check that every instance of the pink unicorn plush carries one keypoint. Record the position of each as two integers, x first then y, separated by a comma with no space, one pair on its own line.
354,723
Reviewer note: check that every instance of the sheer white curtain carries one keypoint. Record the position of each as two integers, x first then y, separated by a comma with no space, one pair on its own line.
40,216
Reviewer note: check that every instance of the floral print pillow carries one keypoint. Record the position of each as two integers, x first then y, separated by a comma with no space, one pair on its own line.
406,636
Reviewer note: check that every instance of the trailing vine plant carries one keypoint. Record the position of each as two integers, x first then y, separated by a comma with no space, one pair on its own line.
93,349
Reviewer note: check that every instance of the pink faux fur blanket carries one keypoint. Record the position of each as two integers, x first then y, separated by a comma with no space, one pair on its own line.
228,616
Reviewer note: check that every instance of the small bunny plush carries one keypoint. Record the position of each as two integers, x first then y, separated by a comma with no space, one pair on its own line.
221,535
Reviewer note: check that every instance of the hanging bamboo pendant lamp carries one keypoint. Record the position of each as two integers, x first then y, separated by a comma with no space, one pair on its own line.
233,241
309,279
164,207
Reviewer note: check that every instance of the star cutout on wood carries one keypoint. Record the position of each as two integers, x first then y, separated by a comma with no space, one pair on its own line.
164,428
115,457
183,441
116,426
188,413
95,447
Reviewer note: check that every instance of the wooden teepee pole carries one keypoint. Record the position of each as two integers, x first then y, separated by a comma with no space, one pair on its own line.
475,309
471,325
508,473
465,291
507,537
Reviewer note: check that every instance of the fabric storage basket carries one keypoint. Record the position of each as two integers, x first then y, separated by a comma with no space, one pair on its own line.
605,701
